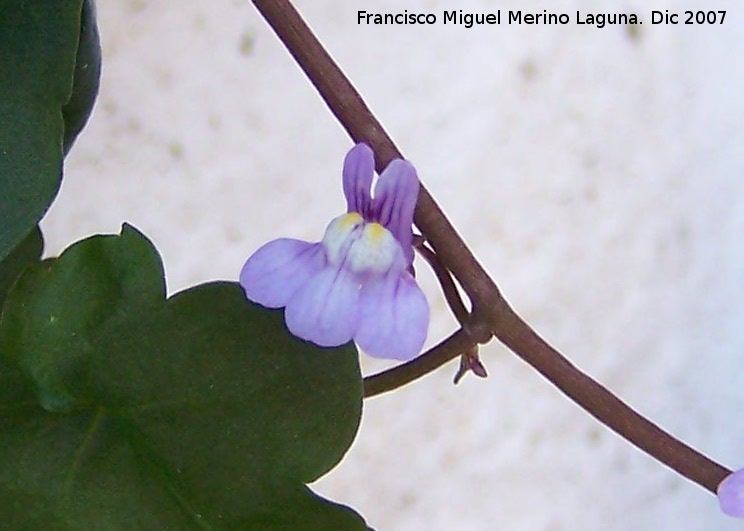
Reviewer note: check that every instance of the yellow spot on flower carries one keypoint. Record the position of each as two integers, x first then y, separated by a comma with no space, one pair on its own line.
375,232
350,219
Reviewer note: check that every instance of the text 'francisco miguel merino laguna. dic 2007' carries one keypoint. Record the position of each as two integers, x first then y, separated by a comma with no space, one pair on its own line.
468,20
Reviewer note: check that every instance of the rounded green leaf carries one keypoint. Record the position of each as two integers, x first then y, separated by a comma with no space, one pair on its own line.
199,410
25,253
38,44
87,77
58,307
77,472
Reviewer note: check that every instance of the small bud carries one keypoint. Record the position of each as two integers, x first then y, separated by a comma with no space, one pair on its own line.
470,362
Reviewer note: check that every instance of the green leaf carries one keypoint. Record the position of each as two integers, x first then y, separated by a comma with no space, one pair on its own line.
38,43
196,412
57,309
87,77
23,511
27,252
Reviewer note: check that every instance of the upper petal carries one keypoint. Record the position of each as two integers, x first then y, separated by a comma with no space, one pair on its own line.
325,310
396,193
278,269
359,168
393,317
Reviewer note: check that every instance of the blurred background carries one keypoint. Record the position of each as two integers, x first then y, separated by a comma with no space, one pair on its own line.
596,173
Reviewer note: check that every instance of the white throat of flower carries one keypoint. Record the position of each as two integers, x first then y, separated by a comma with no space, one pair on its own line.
361,246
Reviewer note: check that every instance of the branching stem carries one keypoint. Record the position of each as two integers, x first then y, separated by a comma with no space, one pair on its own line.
491,315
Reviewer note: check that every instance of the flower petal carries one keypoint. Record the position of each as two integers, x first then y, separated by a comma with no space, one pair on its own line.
359,168
325,310
393,317
731,494
396,193
278,269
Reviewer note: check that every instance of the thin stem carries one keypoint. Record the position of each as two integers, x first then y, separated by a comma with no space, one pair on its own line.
455,345
491,313
469,360
609,409
451,295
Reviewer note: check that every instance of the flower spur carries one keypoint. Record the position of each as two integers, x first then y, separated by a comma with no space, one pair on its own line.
356,283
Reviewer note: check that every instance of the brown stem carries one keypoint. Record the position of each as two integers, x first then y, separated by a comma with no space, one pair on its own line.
455,345
469,360
491,313
447,283
609,409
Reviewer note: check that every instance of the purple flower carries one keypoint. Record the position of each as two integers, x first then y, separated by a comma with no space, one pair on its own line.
355,283
731,494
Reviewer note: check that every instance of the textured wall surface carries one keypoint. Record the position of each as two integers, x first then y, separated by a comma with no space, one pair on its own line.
596,173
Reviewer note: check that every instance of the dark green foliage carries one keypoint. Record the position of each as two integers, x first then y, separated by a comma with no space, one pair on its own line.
87,77
38,45
121,410
27,252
